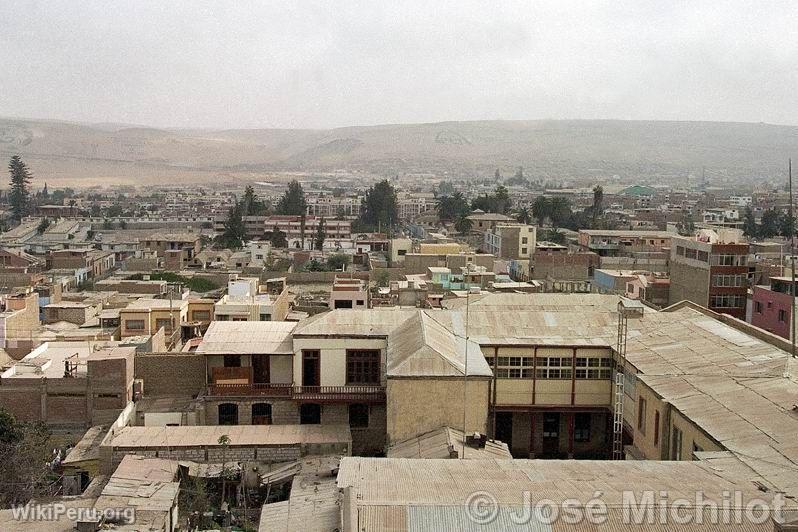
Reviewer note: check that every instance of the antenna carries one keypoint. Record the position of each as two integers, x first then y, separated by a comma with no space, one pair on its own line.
792,258
465,373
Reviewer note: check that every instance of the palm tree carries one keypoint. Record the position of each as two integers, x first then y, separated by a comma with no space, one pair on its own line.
524,216
463,225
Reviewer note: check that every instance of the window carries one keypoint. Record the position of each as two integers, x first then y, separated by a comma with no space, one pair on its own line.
201,315
358,416
758,307
641,416
228,414
656,428
310,414
551,425
524,251
265,317
163,323
554,368
697,448
524,240
727,301
513,367
232,361
676,444
593,368
728,280
261,414
582,427
134,325
782,316
363,366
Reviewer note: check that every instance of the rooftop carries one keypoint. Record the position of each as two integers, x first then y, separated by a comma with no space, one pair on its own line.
447,442
248,337
260,435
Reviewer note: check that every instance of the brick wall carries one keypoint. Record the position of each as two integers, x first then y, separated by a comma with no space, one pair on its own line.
171,373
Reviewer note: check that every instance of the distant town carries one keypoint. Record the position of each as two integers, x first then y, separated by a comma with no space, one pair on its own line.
342,354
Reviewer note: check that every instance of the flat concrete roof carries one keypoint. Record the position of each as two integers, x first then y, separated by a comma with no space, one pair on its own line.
208,436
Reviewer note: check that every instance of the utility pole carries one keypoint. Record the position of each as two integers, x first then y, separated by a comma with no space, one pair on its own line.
792,258
465,374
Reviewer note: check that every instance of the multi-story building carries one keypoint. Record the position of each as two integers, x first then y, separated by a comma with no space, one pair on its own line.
93,261
349,292
177,249
711,270
511,241
245,302
331,206
771,306
606,242
413,205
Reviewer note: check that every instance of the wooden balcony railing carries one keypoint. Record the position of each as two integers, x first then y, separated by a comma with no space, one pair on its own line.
316,394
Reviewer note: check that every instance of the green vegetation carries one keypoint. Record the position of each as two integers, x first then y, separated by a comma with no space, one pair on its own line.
293,201
24,451
380,208
334,263
498,202
19,195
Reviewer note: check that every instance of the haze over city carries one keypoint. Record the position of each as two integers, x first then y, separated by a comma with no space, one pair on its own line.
398,266
330,64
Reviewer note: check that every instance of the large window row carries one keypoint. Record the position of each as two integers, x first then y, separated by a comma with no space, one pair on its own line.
522,367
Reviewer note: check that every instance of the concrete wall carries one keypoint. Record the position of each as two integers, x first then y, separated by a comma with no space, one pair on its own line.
417,406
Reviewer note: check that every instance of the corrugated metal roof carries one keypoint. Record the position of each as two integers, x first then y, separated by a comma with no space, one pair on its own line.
248,337
446,442
207,435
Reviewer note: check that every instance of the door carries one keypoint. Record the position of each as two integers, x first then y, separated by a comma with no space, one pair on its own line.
260,369
310,368
504,427
551,434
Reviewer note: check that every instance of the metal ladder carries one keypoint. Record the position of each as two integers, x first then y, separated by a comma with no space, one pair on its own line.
617,412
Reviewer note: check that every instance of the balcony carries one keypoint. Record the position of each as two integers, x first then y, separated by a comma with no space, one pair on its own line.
310,394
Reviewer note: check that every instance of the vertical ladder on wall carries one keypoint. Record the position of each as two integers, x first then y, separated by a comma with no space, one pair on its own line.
617,411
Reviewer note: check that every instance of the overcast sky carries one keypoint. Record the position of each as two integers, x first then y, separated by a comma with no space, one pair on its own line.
323,64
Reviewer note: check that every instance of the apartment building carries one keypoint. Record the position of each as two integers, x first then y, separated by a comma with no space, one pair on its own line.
511,241
176,249
292,227
771,306
331,206
605,242
147,316
711,270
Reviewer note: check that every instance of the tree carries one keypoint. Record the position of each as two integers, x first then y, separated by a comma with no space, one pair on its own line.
235,232
293,201
750,228
252,205
786,225
19,195
338,261
107,225
524,216
518,178
560,211
380,207
463,225
43,225
25,452
541,208
769,226
452,207
278,238
598,204
497,175
318,241
224,441
382,278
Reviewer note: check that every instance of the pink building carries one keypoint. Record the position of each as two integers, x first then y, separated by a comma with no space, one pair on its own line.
349,292
772,306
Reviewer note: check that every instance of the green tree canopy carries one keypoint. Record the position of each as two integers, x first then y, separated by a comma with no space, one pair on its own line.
293,201
278,238
19,195
380,207
452,207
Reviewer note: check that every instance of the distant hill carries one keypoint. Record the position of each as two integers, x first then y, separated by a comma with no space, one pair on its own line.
94,154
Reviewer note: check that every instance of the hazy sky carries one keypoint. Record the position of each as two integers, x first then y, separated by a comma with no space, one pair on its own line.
323,64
